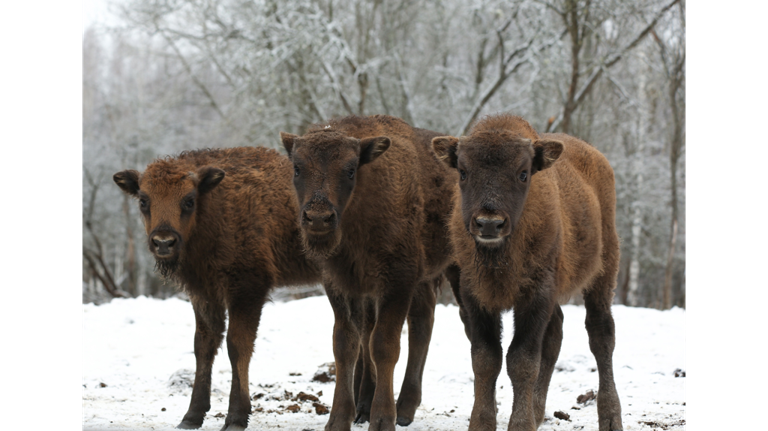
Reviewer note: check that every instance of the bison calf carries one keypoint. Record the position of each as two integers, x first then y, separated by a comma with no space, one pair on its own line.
374,202
222,223
534,222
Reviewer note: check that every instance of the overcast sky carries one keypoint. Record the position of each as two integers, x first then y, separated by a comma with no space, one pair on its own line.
95,11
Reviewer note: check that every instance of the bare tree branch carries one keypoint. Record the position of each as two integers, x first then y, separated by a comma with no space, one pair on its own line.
573,102
504,74
96,262
197,82
337,88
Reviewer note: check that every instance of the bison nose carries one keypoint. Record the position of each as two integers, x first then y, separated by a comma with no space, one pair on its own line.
163,246
490,227
319,220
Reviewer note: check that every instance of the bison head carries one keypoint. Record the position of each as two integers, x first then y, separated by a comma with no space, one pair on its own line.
326,164
495,172
168,201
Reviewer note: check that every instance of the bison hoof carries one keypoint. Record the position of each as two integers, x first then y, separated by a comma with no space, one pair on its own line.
362,418
341,426
403,421
189,425
382,425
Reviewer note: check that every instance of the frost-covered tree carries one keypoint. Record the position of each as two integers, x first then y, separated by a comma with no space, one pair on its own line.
185,74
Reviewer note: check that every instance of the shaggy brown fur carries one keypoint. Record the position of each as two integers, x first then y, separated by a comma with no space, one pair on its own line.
533,223
374,203
222,223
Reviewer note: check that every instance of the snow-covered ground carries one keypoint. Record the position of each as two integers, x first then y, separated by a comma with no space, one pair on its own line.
133,347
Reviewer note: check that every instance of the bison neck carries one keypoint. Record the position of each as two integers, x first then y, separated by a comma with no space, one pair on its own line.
211,245
380,246
526,261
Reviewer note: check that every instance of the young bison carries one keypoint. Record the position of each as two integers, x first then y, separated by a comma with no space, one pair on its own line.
222,223
533,223
374,202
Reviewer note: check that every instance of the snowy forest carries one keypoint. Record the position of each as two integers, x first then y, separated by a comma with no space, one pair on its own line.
163,76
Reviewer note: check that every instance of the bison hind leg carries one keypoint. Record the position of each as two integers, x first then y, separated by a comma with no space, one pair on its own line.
602,340
421,318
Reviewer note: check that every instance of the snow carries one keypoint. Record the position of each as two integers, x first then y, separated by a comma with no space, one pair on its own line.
136,347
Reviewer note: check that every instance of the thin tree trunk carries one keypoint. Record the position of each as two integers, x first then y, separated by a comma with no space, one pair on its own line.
675,77
674,155
362,82
572,22
637,215
667,303
406,108
684,289
634,266
625,287
131,252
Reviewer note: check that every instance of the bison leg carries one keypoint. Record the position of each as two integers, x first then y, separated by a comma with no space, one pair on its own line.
550,350
525,356
367,371
602,339
245,305
348,315
487,357
453,274
209,332
385,350
421,317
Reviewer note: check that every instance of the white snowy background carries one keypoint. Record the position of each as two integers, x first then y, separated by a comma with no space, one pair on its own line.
133,347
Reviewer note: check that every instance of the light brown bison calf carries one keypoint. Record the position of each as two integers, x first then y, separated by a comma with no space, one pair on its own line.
374,202
533,223
222,223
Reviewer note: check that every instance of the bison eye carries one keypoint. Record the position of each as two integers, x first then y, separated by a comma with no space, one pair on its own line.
351,174
463,174
189,204
143,204
296,171
524,176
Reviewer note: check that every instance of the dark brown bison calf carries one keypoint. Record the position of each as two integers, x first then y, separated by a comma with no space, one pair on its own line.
533,223
374,202
222,223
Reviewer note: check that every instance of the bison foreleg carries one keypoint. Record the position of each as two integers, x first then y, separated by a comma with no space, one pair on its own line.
385,351
487,356
525,355
209,332
346,346
245,304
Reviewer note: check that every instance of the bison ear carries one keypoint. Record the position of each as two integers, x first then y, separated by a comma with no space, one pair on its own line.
128,181
288,141
371,148
210,177
546,153
445,148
